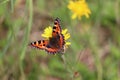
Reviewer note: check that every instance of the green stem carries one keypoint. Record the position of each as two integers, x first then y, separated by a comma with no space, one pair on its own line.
117,12
9,39
12,6
25,40
66,67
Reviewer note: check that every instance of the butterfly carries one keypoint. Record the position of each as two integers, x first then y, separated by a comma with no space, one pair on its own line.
54,44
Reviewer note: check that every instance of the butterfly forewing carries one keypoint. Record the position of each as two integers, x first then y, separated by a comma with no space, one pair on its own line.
56,28
41,44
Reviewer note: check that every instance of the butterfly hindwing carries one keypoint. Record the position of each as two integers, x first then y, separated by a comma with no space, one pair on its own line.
55,45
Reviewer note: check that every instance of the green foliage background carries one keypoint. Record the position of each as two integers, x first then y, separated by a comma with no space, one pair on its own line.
94,53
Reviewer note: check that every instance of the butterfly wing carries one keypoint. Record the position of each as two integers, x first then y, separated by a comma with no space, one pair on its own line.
57,32
56,42
56,28
51,50
41,44
56,46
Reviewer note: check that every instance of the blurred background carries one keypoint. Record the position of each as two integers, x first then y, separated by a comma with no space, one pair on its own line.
94,53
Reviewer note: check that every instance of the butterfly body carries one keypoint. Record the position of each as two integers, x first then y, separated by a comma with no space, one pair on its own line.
54,44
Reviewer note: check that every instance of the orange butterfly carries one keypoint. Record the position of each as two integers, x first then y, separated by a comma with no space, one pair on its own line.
55,44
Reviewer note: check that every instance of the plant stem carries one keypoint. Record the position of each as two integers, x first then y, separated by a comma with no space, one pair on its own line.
25,40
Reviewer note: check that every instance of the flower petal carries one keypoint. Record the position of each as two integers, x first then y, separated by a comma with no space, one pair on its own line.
74,16
79,8
67,36
64,31
67,43
47,32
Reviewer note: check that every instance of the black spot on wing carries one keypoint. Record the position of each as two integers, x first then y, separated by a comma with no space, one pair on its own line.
31,43
43,44
58,20
53,31
54,27
55,23
43,41
56,32
39,42
34,42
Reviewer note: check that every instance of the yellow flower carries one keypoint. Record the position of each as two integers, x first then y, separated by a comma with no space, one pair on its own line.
79,8
48,33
